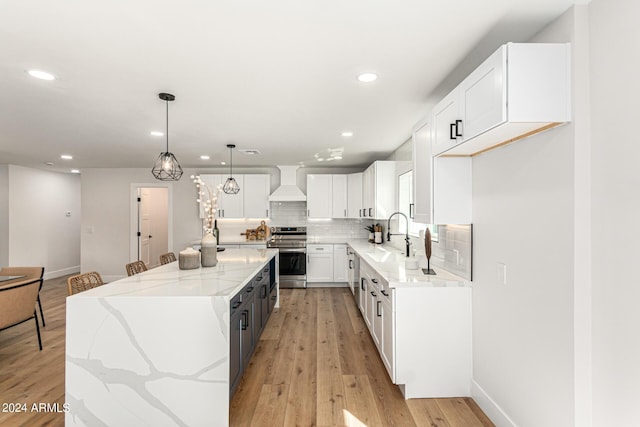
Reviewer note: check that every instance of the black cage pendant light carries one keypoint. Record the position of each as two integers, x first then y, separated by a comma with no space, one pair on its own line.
231,186
167,167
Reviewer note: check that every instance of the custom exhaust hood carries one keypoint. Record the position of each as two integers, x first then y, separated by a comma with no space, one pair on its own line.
288,190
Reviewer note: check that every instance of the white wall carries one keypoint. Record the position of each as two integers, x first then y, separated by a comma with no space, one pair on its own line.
4,215
615,94
523,216
40,232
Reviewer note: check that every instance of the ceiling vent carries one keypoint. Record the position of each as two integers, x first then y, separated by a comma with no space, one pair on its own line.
249,151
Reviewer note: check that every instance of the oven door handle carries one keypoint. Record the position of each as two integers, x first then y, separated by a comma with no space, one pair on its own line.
290,250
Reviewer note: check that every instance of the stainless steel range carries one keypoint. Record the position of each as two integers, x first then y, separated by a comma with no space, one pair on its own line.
291,242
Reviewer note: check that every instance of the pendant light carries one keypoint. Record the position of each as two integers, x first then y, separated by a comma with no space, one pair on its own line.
167,167
231,186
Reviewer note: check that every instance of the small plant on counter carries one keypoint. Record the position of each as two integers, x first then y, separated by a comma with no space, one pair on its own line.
371,229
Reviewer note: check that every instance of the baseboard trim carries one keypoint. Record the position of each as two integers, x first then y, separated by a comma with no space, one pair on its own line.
62,272
490,407
327,285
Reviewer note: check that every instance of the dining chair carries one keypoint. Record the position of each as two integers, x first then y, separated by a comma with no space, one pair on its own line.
167,258
18,305
32,274
136,267
83,282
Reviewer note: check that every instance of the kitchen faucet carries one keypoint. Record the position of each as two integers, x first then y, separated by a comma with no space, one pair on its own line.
406,237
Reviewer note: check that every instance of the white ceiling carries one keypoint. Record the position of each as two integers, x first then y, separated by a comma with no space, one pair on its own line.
278,76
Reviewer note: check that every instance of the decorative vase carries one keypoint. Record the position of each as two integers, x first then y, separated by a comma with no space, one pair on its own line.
378,237
189,259
209,250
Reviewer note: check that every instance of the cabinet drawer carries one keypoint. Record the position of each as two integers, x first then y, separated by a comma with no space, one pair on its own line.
320,248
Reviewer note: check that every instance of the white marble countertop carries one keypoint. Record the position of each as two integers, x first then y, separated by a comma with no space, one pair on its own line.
234,270
389,263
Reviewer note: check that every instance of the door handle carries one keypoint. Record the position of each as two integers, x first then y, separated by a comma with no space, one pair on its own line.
378,308
451,132
370,214
411,205
458,128
245,320
362,283
350,264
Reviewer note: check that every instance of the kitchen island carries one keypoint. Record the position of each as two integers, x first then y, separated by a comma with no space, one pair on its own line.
154,348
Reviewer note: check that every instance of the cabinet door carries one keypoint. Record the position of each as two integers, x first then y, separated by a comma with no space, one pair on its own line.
340,263
211,188
246,341
235,355
446,131
384,189
319,196
319,263
484,95
256,196
388,335
354,195
231,205
421,210
362,295
367,192
339,196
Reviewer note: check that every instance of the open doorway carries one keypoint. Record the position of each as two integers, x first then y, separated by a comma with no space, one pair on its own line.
151,223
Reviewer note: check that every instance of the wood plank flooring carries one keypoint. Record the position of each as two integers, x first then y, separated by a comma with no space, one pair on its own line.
315,365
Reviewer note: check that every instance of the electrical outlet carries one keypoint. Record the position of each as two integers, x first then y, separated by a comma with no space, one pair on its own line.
501,270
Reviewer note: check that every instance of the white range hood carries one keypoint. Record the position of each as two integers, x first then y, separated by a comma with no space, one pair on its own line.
288,190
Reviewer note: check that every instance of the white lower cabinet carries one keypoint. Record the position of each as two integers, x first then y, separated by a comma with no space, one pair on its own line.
327,263
340,263
422,332
319,263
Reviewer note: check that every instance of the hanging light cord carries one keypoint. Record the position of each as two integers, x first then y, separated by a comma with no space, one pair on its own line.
230,162
167,124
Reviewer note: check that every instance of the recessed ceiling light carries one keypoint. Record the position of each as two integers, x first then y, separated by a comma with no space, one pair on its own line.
347,133
204,157
74,171
156,133
223,163
66,156
49,163
42,75
367,77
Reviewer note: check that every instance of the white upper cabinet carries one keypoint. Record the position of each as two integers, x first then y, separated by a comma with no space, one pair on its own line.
522,89
354,195
379,189
319,196
256,195
339,196
252,201
422,166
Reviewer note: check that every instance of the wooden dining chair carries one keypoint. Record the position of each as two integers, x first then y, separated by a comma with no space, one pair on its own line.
83,282
136,267
32,274
18,305
167,258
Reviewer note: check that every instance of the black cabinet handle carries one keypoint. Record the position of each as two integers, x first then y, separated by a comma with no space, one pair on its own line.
374,280
378,308
458,128
264,288
411,210
236,305
373,294
452,135
250,289
274,297
245,320
370,214
362,279
384,293
350,264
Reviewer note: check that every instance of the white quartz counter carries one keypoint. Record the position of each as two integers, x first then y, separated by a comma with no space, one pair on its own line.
389,263
153,348
234,270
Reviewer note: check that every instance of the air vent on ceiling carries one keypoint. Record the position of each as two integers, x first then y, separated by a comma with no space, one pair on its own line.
249,151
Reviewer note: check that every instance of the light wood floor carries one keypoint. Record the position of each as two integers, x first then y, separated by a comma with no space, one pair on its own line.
315,365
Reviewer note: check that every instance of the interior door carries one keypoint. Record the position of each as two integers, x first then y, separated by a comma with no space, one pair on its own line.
144,224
